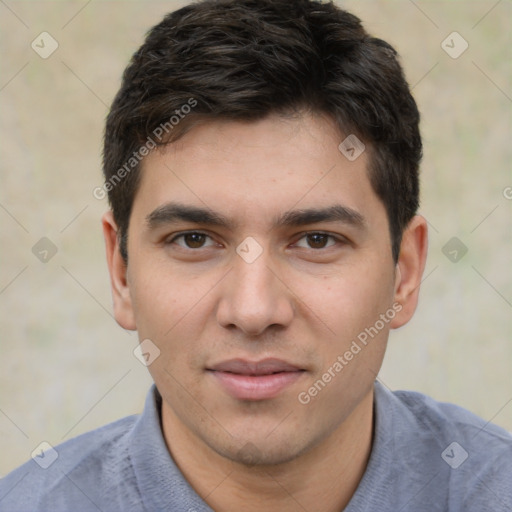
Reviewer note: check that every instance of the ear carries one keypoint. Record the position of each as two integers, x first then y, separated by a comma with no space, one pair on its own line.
410,266
123,310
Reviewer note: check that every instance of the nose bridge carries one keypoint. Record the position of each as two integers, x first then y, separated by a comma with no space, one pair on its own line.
253,297
254,278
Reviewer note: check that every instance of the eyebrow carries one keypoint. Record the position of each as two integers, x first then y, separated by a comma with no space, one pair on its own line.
174,212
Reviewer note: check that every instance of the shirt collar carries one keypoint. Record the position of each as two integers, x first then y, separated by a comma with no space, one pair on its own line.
161,484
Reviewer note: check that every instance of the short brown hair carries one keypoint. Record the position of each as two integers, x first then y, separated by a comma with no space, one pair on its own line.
246,59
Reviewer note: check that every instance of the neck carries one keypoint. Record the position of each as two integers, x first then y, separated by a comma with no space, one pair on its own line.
323,479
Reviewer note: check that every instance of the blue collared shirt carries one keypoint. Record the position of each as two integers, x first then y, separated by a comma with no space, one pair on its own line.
426,456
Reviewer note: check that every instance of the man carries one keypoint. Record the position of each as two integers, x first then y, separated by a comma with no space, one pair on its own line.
261,161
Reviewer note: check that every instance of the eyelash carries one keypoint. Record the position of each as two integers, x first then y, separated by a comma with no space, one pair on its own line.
339,240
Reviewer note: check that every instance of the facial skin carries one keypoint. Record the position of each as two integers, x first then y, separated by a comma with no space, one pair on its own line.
304,300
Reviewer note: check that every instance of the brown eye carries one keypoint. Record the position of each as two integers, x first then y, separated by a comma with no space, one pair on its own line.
316,241
192,240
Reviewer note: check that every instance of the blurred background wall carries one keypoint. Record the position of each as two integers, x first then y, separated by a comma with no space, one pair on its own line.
66,366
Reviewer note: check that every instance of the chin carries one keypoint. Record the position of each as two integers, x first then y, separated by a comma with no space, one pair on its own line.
261,452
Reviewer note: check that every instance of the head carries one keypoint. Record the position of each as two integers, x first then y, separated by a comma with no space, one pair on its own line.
257,59
242,227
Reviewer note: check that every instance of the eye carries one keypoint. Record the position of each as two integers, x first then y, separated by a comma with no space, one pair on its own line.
192,240
317,241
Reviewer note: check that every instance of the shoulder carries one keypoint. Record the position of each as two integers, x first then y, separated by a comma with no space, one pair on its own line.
447,421
76,473
468,458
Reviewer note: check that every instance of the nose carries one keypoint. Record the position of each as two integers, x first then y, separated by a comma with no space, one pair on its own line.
254,297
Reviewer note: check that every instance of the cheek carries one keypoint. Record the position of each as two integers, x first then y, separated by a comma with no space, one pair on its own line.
351,301
165,299
350,357
175,310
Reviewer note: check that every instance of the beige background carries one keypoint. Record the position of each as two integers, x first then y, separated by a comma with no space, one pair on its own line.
65,365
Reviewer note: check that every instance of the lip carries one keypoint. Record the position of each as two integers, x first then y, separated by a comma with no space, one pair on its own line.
255,380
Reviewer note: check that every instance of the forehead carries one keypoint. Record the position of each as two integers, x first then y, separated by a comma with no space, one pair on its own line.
255,171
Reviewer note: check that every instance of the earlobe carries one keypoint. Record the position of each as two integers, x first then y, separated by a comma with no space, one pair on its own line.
123,310
410,267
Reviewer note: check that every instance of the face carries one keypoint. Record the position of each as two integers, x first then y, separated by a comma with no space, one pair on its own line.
260,265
